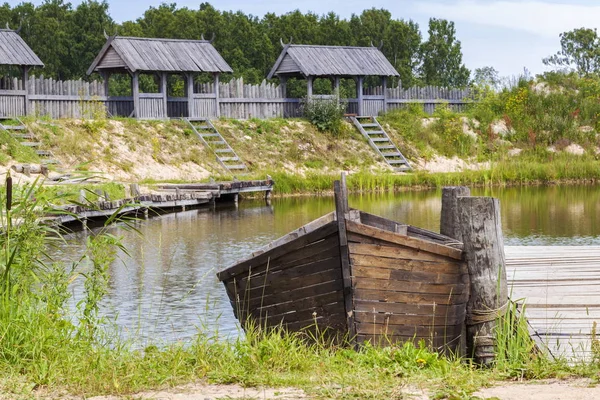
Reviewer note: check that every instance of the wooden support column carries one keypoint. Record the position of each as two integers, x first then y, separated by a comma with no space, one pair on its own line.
481,231
105,79
283,86
164,91
189,84
217,105
336,88
359,95
450,226
26,87
135,90
309,86
384,85
341,210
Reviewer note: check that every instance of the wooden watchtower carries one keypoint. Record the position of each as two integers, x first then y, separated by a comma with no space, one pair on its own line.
133,55
336,62
15,52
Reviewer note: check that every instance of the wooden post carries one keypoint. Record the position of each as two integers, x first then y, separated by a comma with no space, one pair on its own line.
135,190
190,94
449,219
283,86
384,85
105,79
336,88
481,231
359,95
309,87
26,87
217,105
164,91
135,90
341,209
450,226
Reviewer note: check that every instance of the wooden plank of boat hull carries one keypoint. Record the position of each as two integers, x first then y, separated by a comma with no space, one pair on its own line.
410,286
303,304
449,332
335,322
425,277
404,319
417,244
410,308
438,266
393,297
312,252
383,223
330,272
272,254
294,316
392,252
292,295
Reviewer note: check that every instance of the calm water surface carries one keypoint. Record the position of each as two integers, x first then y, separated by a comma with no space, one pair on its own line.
166,289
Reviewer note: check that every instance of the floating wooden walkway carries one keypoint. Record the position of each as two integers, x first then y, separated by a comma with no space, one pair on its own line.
560,286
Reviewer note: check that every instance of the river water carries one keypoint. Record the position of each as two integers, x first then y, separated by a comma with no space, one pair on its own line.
166,290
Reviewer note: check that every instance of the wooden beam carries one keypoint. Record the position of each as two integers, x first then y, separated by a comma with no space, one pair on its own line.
26,87
336,88
106,79
481,231
135,90
217,105
359,95
309,86
384,85
341,208
164,92
283,86
190,94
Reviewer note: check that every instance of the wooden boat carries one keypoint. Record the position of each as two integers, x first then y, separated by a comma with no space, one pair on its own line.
354,273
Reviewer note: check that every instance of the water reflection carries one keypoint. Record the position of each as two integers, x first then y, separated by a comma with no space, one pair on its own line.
166,289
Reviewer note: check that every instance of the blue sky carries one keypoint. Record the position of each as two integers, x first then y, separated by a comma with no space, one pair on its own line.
507,34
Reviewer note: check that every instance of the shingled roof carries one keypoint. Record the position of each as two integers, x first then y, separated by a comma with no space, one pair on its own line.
310,60
14,50
159,55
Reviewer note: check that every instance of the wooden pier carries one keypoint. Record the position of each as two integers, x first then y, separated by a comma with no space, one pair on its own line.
171,197
560,287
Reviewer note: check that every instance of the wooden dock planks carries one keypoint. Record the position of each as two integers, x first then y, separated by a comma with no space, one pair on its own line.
560,286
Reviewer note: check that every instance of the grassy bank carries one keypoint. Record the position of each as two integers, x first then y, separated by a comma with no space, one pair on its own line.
49,348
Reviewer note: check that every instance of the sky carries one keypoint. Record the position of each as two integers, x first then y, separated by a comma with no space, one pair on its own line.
509,35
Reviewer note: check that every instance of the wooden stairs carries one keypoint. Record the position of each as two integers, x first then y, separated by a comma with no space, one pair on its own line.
381,142
211,137
18,130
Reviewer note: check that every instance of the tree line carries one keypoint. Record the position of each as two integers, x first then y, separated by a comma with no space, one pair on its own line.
68,38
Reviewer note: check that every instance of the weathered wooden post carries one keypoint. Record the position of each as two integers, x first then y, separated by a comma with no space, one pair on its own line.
450,226
481,232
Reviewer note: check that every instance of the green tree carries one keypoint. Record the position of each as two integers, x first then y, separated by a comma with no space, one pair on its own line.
442,56
580,50
486,76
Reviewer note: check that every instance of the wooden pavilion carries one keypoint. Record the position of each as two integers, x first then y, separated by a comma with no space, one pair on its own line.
162,57
15,52
335,62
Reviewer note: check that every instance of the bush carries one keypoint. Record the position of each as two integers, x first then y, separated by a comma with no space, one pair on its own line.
324,114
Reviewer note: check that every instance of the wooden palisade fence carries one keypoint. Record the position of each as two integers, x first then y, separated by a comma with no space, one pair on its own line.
80,99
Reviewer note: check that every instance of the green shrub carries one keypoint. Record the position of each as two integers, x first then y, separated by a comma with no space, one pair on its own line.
325,114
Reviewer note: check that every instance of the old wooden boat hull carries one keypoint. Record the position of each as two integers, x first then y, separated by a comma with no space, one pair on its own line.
357,275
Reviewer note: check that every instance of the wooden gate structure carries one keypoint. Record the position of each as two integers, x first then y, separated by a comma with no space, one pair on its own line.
162,57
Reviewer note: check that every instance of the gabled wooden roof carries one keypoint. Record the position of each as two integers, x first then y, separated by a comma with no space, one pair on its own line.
310,60
160,55
14,50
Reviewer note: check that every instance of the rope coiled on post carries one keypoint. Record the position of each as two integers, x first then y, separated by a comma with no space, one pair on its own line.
481,316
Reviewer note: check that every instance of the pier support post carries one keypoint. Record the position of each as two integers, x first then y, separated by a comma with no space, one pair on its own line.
481,232
268,197
135,190
450,226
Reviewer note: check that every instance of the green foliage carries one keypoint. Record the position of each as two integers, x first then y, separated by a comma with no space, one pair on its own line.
67,38
442,56
324,114
580,50
12,148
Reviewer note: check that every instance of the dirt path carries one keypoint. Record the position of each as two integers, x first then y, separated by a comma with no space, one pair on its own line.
579,389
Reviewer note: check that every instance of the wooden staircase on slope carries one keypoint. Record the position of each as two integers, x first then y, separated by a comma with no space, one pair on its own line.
381,142
211,137
27,138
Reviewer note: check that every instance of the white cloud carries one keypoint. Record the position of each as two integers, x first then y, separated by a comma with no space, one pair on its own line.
541,18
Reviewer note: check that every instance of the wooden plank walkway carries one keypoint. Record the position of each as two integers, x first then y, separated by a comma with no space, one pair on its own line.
560,286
